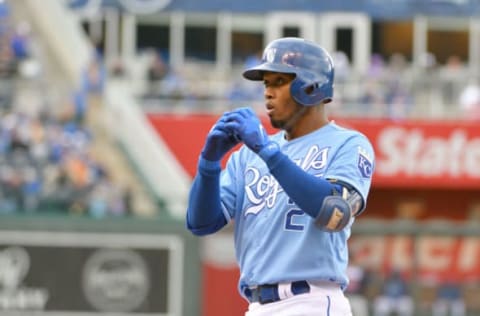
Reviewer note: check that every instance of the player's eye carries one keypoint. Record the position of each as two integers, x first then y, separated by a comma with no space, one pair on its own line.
277,82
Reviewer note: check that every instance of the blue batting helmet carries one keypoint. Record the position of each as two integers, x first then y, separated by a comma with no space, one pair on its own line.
311,64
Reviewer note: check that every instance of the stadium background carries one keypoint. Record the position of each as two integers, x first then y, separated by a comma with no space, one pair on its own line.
93,198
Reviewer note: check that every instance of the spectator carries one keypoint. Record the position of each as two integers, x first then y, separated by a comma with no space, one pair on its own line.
449,300
174,86
398,100
31,189
253,60
157,71
8,62
342,66
358,286
20,41
452,76
377,68
94,75
158,68
470,100
395,297
372,101
118,69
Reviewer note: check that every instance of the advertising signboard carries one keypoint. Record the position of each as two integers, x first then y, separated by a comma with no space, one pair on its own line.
90,274
409,154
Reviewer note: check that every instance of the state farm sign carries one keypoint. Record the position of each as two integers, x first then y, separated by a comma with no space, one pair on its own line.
410,154
429,154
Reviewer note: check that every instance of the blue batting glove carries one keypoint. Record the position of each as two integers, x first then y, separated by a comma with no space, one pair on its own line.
246,126
220,140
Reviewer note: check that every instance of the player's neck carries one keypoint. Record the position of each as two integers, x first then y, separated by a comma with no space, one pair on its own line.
314,119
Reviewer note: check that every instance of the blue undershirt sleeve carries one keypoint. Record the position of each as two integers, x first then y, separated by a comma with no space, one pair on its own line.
306,190
204,212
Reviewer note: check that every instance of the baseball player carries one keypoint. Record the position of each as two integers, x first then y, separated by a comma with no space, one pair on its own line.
292,196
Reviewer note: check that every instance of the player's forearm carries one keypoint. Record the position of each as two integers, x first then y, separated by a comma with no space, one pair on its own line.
204,212
306,190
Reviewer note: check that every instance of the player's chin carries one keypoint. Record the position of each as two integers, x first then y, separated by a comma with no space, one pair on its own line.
277,123
275,120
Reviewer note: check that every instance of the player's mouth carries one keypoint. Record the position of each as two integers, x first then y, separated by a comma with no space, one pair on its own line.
270,108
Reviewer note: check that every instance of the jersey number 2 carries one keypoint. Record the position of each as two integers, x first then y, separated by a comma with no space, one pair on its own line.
290,220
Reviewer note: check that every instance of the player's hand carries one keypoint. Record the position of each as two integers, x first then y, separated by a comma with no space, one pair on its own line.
246,126
219,141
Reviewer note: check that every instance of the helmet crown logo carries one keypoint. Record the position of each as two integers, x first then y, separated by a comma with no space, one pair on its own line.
270,54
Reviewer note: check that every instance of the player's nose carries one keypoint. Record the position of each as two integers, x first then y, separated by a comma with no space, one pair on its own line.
268,93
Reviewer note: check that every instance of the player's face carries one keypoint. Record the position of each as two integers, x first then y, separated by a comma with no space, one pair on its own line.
281,108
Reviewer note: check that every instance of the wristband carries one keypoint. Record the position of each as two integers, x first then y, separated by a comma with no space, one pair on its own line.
269,150
208,167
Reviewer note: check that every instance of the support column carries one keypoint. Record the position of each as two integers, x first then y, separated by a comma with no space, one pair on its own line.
177,39
361,43
112,17
474,48
129,37
224,42
420,32
276,21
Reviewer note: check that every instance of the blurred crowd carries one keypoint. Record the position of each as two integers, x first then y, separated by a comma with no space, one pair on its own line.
46,158
392,87
396,292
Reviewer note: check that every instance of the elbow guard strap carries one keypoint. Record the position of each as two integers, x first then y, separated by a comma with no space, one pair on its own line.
337,210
